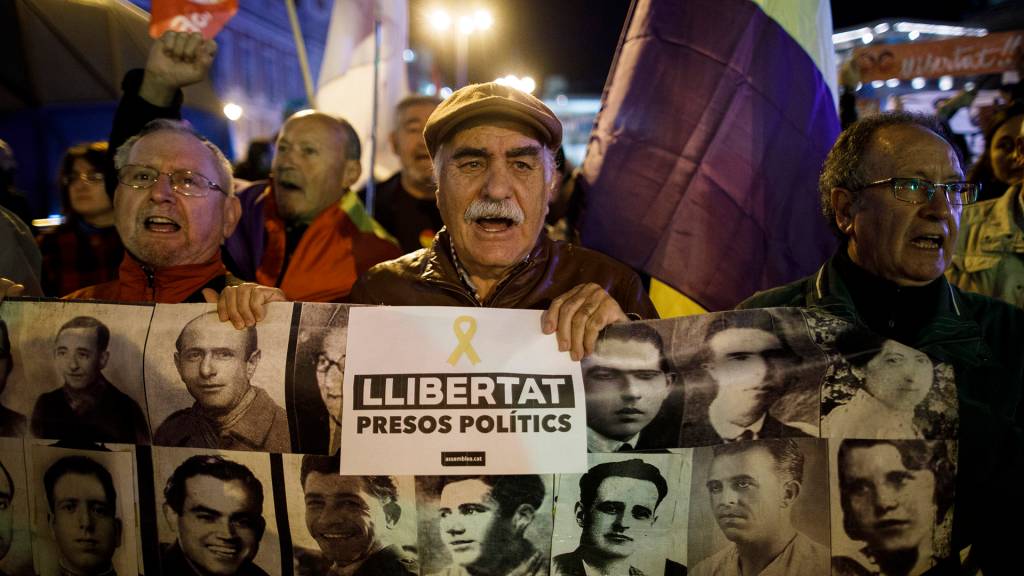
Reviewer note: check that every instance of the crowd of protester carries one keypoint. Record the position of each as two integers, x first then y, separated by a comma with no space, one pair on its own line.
479,179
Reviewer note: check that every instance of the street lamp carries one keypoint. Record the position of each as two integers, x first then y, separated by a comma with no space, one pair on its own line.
439,20
232,111
466,25
524,84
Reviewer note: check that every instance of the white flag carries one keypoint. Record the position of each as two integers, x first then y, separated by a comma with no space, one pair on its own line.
346,76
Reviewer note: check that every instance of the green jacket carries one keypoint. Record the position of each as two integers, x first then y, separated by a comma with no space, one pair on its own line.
989,256
983,339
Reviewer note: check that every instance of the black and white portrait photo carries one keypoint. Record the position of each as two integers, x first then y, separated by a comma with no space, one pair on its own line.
617,518
353,525
319,372
485,524
748,374
215,513
633,398
214,386
15,531
77,370
892,503
83,510
12,423
883,389
760,507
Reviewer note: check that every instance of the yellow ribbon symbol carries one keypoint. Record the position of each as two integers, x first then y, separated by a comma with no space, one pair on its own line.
465,329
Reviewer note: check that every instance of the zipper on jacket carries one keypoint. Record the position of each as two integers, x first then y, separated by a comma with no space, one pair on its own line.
461,290
150,280
518,270
457,290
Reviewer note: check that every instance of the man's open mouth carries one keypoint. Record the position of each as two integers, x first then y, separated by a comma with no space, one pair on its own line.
289,186
495,224
161,224
928,241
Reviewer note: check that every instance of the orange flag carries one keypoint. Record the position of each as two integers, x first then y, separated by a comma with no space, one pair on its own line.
204,16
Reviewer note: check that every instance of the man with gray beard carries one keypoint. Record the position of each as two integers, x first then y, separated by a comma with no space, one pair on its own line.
492,149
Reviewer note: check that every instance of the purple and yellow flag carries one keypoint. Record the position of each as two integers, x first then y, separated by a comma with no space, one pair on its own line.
702,167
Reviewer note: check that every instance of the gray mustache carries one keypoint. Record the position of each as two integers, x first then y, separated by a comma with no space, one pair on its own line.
505,209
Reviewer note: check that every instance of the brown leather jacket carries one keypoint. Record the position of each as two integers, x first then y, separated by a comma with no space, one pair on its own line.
428,277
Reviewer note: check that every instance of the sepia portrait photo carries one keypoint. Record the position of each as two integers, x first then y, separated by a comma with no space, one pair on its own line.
747,375
15,528
76,371
485,524
762,504
83,509
378,513
212,385
618,517
892,503
633,394
215,512
879,388
314,402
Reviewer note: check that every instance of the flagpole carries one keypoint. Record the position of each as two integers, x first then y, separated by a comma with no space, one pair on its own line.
300,49
371,183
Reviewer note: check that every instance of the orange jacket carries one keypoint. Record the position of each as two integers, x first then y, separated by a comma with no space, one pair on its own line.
340,244
137,282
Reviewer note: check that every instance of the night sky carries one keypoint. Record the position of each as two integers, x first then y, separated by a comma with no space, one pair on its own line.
577,38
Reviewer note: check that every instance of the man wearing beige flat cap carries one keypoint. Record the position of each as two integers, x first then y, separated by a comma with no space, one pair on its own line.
493,149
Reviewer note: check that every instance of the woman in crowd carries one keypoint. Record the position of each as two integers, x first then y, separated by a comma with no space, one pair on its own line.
85,249
996,168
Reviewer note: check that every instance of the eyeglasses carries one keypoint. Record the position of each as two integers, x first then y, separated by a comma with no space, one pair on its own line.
918,191
94,177
184,182
323,363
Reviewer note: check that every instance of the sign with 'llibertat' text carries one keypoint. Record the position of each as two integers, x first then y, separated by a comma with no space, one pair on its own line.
457,390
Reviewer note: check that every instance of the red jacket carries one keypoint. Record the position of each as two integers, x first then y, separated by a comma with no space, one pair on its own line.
137,282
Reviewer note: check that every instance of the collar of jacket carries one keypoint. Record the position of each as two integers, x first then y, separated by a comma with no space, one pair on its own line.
999,231
950,335
172,284
439,267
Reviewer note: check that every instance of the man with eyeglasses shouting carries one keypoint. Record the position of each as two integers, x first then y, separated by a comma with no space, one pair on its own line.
173,208
892,190
304,230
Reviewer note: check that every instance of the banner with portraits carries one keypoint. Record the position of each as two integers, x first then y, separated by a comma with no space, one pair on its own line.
156,439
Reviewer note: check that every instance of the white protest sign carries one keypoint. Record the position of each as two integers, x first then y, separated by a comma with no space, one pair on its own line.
446,390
